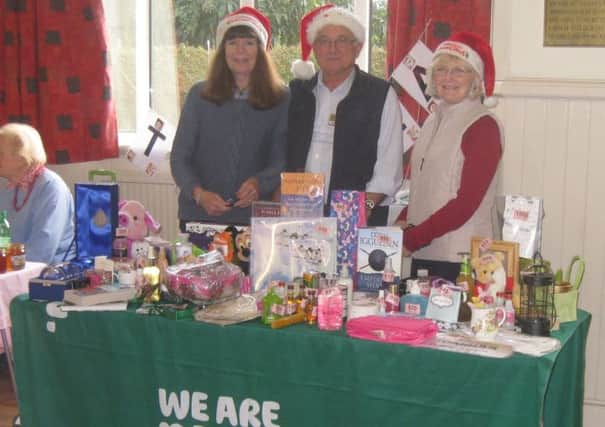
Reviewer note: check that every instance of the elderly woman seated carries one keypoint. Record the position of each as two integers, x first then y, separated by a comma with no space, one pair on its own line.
39,204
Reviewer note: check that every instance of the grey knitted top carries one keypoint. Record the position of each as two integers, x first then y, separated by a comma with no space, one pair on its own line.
220,146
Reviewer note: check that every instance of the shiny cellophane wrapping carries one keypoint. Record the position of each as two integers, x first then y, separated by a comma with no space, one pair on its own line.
209,280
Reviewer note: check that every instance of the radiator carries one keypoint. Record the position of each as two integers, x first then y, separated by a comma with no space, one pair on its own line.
159,197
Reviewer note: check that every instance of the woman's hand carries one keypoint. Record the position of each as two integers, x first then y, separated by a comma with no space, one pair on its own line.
211,202
247,193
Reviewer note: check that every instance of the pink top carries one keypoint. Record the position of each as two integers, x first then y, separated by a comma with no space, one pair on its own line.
15,283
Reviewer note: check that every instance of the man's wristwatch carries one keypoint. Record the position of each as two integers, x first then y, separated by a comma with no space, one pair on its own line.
370,204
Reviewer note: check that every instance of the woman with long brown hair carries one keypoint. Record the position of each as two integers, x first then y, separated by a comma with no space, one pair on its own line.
229,148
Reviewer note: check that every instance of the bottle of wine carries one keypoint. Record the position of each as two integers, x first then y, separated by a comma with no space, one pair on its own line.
5,231
467,283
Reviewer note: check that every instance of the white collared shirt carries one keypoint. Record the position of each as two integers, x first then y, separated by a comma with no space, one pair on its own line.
388,170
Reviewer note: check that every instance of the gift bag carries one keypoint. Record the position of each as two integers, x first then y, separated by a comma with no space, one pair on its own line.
349,209
96,214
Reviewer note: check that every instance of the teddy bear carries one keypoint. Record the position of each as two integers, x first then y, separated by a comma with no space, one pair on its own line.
243,242
490,276
138,223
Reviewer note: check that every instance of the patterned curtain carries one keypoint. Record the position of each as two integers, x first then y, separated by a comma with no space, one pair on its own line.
54,75
430,21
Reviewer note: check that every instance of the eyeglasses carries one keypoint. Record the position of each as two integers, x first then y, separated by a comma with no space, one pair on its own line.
339,43
455,72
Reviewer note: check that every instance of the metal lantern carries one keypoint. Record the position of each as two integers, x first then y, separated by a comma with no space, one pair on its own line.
537,309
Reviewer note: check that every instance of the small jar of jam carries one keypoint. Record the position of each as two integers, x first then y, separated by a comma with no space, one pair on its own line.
17,256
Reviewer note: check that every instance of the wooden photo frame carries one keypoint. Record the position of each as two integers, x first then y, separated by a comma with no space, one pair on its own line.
496,267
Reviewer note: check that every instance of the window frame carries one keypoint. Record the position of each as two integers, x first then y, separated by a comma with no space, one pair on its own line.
143,40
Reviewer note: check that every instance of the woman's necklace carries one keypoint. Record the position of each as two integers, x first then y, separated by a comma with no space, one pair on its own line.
30,188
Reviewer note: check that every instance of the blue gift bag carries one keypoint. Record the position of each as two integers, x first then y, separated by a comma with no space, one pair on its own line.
96,215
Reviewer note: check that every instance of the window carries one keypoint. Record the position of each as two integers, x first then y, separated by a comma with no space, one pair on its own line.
160,48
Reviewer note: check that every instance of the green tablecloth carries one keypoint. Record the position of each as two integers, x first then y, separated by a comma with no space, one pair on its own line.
123,369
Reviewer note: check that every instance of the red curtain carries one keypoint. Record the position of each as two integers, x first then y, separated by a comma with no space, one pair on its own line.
54,75
408,20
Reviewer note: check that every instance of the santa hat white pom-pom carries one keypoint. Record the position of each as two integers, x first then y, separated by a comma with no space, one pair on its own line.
490,101
302,69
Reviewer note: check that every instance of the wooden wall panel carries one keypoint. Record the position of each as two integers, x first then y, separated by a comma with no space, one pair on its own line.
555,148
532,153
593,292
555,154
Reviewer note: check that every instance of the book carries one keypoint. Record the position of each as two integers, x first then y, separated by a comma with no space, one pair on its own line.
377,248
263,208
110,306
302,194
99,295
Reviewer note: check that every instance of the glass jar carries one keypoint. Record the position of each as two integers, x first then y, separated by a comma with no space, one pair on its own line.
120,244
16,256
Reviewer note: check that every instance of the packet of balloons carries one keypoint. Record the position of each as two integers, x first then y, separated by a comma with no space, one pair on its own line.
209,280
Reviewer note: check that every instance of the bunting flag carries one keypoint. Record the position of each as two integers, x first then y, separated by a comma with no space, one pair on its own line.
410,74
153,144
411,129
414,29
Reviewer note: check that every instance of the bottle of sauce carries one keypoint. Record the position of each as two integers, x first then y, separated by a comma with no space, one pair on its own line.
3,260
291,302
311,306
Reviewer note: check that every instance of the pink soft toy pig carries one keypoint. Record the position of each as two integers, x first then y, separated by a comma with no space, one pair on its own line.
137,222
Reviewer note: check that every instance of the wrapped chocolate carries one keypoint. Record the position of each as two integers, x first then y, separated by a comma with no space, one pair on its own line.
209,280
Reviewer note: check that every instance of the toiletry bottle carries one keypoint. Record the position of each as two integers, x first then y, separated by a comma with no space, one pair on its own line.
269,300
345,283
388,274
413,303
424,282
182,248
381,302
509,313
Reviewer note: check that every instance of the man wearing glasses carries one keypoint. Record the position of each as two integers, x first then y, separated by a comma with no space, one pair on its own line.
343,122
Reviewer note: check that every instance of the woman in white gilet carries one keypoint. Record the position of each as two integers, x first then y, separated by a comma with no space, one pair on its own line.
455,161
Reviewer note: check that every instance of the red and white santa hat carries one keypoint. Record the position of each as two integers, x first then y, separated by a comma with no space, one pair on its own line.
473,49
248,17
312,23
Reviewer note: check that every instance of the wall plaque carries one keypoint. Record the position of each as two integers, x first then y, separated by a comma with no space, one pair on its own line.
574,23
